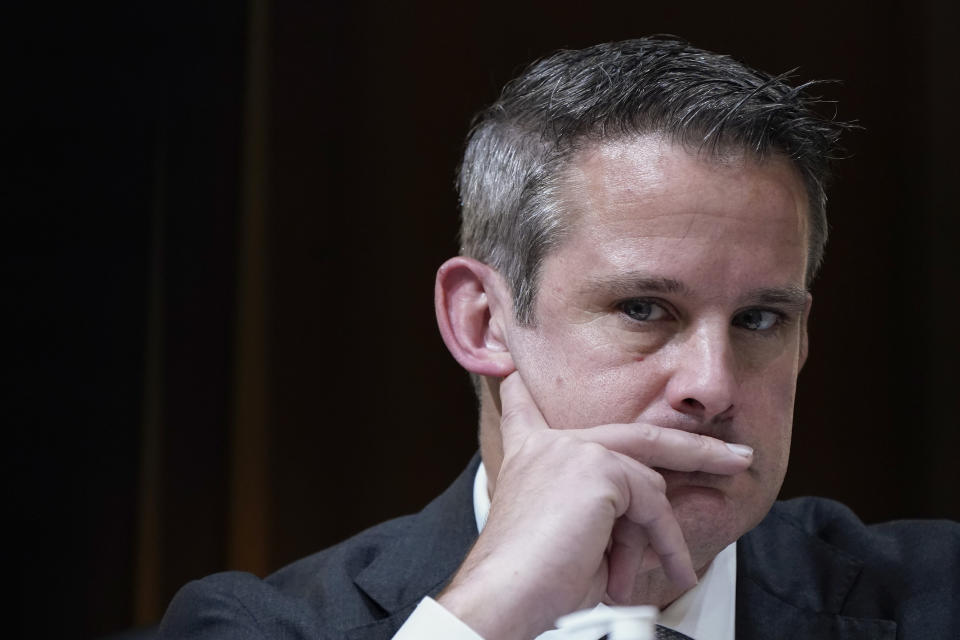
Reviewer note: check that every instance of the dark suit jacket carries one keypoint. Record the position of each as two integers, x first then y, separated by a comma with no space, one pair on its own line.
811,569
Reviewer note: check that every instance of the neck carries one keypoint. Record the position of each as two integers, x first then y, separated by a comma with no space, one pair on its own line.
491,446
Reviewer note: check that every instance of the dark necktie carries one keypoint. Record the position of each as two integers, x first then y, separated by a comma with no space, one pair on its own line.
665,633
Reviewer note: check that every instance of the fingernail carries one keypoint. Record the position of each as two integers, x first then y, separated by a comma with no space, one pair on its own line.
740,449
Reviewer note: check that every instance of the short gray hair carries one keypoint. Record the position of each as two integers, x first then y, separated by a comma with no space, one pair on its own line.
519,147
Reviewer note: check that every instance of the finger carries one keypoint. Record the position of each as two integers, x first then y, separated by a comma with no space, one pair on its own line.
649,508
670,448
627,553
651,560
674,557
519,413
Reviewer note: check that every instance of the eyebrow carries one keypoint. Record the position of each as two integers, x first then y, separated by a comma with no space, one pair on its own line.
630,284
790,296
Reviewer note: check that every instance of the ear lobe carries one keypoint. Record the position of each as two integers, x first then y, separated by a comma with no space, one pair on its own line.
470,301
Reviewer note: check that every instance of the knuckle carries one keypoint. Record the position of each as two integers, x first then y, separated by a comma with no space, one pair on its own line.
702,442
659,483
593,451
652,436
658,511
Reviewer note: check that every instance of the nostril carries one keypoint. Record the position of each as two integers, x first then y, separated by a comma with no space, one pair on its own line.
694,403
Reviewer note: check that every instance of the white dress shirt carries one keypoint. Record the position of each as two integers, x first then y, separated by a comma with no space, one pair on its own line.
706,612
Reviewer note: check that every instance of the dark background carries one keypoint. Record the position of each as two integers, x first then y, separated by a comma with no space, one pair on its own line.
222,221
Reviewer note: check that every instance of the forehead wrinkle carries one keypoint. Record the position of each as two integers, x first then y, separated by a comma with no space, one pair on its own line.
589,188
590,182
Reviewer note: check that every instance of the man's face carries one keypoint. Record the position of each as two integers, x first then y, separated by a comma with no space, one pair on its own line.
677,299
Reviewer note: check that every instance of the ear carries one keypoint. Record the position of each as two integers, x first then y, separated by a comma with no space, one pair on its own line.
804,337
473,306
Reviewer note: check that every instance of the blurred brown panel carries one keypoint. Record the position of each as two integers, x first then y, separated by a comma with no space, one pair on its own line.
148,601
249,482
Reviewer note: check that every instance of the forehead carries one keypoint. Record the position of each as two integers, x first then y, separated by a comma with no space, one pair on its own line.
648,204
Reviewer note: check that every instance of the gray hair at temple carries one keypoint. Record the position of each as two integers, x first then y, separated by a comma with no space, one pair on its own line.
519,147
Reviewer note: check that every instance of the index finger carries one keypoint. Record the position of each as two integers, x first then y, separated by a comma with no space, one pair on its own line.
519,414
668,448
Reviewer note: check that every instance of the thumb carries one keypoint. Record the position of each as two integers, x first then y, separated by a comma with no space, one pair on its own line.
519,415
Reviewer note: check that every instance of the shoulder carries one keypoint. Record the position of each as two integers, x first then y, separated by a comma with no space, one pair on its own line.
907,571
313,597
897,545
326,576
364,586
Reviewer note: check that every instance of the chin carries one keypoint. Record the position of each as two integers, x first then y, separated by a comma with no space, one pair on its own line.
708,514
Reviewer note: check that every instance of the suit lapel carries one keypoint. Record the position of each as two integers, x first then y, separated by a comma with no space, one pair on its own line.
791,584
423,560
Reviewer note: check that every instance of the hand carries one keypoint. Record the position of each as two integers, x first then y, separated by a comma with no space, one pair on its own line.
575,514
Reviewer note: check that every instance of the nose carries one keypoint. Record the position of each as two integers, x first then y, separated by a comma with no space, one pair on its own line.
704,382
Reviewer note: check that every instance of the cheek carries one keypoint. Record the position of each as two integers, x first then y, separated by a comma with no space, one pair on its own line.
771,420
582,382
594,391
768,377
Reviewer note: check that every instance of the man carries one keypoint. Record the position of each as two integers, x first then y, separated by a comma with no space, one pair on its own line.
641,224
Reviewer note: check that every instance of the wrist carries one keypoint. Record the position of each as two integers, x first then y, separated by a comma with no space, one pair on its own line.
493,607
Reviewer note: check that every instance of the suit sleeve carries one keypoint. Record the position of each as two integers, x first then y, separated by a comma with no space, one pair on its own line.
238,606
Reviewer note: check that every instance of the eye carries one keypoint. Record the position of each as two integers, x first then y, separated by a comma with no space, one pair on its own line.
643,310
757,319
